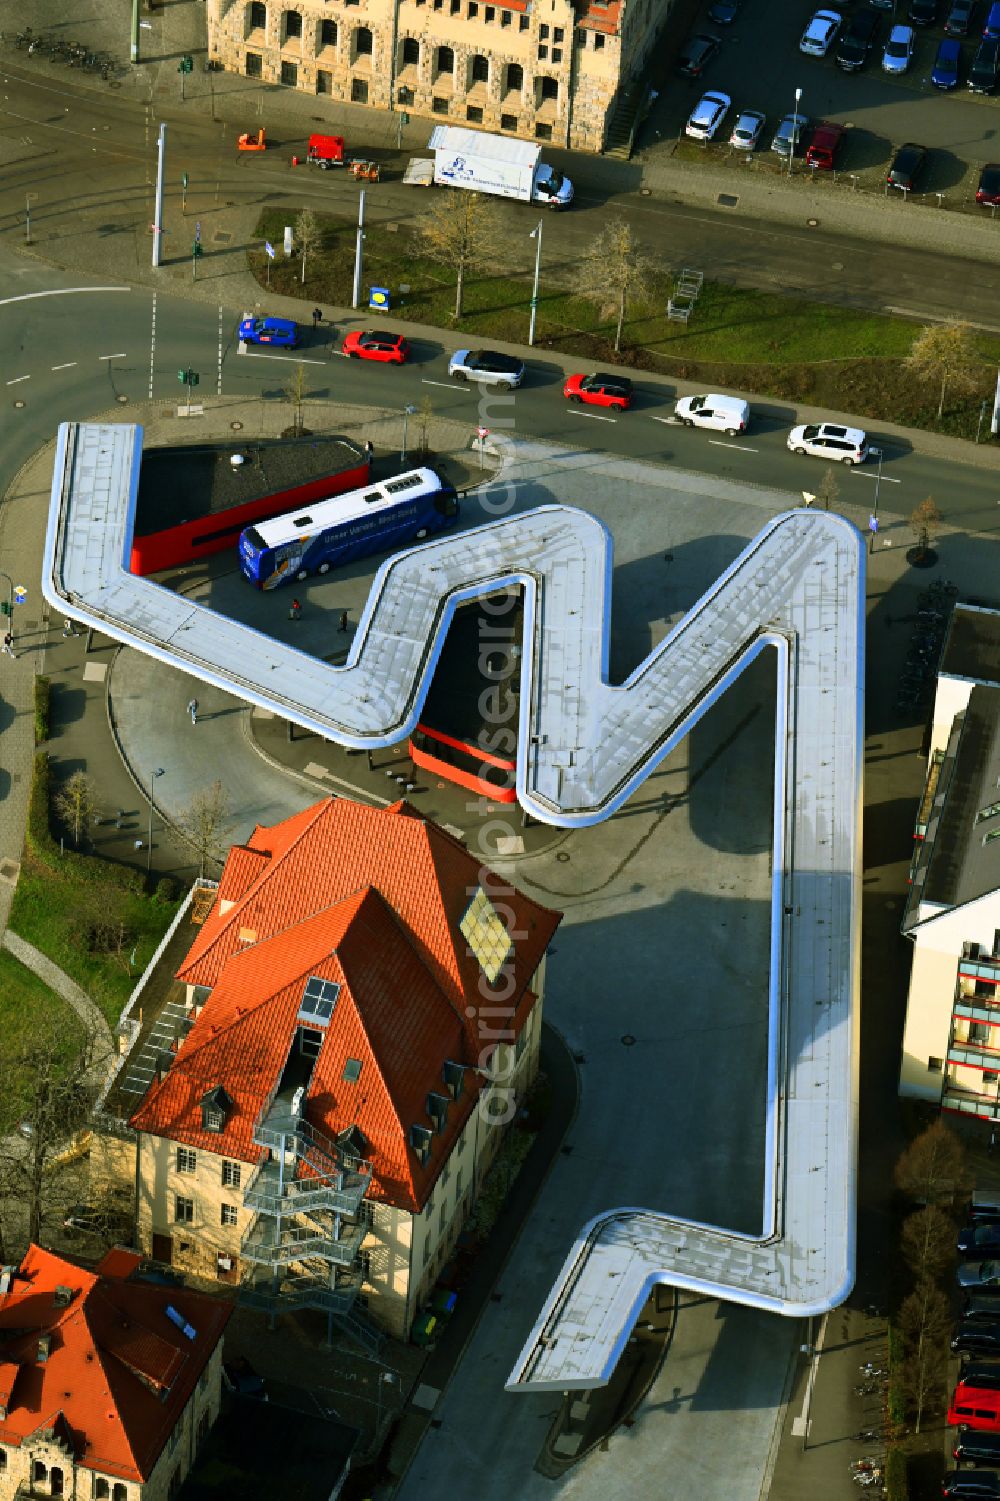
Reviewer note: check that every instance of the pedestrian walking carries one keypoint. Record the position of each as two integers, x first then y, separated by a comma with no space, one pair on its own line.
317,317
369,450
294,610
69,629
193,710
343,621
8,646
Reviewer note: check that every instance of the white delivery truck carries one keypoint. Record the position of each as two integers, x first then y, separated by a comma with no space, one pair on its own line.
490,164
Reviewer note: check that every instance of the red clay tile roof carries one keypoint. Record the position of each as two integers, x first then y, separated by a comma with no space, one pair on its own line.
593,15
118,1373
119,1263
371,899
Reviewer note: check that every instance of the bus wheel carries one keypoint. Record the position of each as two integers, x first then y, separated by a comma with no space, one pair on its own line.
303,573
421,534
323,568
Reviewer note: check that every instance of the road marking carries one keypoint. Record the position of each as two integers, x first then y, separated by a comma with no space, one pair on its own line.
887,479
594,416
68,366
287,359
718,443
671,421
59,292
18,380
120,356
447,385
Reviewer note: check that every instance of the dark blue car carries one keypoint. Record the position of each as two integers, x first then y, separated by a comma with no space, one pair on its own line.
981,1239
944,74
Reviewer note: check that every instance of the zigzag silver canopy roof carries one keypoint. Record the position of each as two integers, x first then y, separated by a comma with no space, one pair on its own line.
584,747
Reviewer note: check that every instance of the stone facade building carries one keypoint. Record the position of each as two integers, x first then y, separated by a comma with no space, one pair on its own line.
549,70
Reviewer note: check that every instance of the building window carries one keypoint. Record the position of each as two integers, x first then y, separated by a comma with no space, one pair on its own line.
352,1071
557,54
405,96
362,48
508,122
293,24
203,1380
102,1489
258,16
935,1065
481,925
473,10
505,18
979,1032
254,65
439,106
543,32
328,33
119,1492
187,1161
439,4
543,132
55,1481
543,53
480,69
229,1214
359,91
289,74
523,22
557,33
515,79
456,6
232,1172
598,41
183,1210
489,14
445,60
366,1214
411,50
549,90
521,1043
366,1266
38,1470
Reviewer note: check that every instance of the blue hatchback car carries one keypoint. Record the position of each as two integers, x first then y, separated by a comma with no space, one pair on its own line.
280,331
944,74
992,28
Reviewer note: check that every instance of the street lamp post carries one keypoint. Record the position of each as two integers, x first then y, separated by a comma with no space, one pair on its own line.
877,453
157,772
536,235
795,131
408,412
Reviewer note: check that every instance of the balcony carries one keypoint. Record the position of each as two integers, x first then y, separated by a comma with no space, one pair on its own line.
971,1102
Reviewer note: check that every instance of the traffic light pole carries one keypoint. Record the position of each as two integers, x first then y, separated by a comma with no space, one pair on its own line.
161,155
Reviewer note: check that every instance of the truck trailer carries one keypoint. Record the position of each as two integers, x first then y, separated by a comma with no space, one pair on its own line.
493,164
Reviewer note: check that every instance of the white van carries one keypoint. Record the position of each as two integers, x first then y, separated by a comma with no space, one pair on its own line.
727,414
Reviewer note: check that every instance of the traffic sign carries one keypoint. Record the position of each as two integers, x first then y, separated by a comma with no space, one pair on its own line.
873,523
482,432
20,594
184,179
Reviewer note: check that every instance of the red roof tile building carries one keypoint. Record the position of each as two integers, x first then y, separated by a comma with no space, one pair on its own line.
108,1384
357,1019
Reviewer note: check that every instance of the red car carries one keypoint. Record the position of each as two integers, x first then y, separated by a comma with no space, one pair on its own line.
391,349
988,191
600,390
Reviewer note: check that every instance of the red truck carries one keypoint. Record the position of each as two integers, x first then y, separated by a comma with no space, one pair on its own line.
326,151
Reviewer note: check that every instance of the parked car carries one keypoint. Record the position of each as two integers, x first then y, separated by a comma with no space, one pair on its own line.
992,28
944,74
726,414
985,67
978,1274
242,1380
390,349
988,191
923,12
983,1375
820,32
825,145
976,1337
974,1407
488,367
788,136
898,52
975,1447
598,390
747,130
960,17
827,440
696,53
979,1239
971,1485
907,165
724,12
983,1205
278,331
707,115
857,39
984,1303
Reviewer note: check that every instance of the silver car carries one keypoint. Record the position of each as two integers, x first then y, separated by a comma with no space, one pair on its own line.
791,130
898,52
747,131
707,115
488,366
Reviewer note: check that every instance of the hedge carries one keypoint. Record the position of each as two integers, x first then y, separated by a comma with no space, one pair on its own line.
41,844
42,694
896,1485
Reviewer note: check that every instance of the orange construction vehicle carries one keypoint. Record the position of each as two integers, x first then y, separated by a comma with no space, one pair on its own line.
252,140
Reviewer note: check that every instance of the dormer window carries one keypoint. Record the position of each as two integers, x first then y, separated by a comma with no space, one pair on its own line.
216,1107
318,1001
453,1075
420,1141
437,1109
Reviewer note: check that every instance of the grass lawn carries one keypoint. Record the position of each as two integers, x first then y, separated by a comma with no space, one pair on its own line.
47,911
25,999
760,342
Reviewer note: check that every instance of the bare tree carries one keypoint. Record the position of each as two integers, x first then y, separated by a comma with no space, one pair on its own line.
76,803
829,488
463,230
204,819
615,273
425,411
927,1241
296,393
308,236
932,1168
947,352
925,523
925,1323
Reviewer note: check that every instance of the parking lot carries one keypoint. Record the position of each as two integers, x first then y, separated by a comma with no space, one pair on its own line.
880,111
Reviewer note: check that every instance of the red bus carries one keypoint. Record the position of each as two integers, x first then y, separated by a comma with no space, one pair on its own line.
194,500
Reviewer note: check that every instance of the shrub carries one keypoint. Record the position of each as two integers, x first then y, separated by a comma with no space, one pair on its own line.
166,890
896,1488
43,690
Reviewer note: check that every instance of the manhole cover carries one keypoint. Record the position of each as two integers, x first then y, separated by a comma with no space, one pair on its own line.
727,200
222,237
628,1040
236,427
812,223
562,857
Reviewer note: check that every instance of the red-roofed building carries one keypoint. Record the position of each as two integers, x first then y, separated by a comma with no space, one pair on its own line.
108,1384
356,1020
